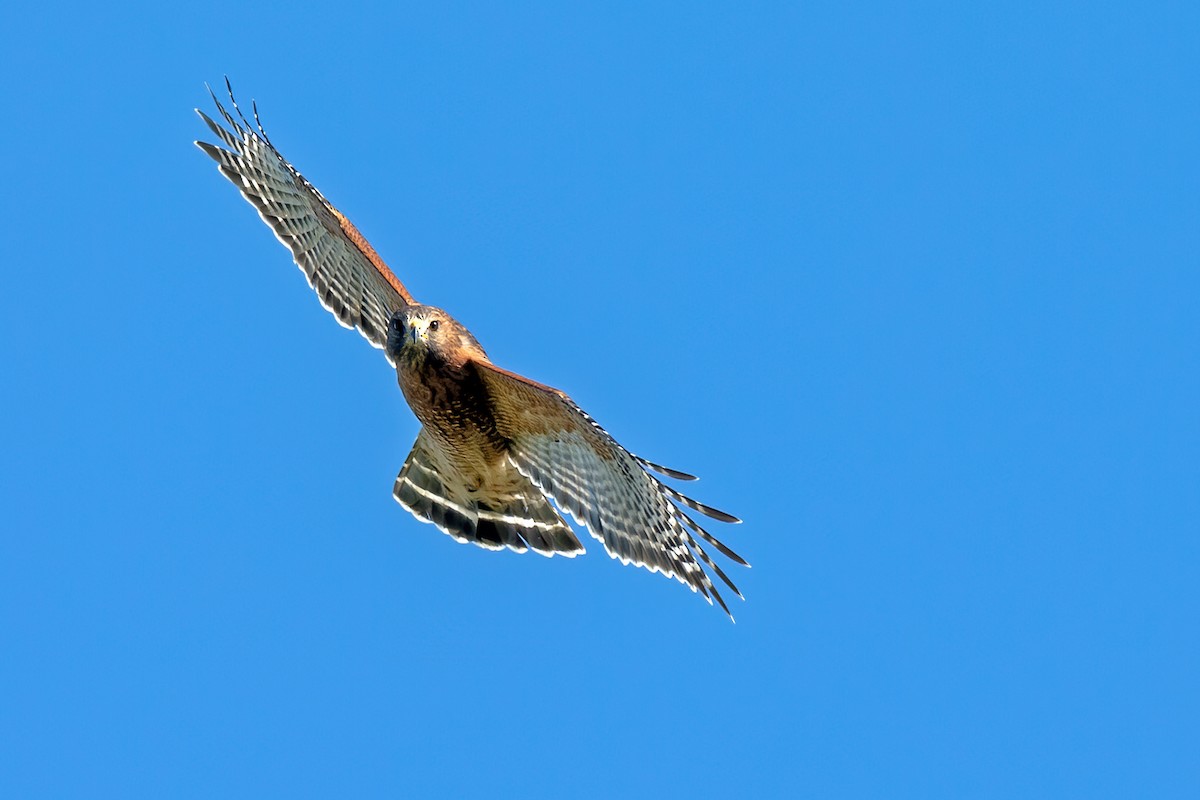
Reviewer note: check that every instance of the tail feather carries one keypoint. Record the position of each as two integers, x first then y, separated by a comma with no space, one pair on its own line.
519,518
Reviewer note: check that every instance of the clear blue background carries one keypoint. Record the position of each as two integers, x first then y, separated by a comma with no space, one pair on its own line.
913,287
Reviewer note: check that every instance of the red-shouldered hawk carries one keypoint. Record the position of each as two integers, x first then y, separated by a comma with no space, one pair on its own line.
494,447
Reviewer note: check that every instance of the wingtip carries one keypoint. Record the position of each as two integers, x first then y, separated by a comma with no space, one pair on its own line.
721,601
722,516
678,475
211,150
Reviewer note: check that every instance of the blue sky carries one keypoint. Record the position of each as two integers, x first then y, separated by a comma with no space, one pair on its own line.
912,287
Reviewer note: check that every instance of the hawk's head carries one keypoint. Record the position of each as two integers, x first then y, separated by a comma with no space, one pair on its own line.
418,333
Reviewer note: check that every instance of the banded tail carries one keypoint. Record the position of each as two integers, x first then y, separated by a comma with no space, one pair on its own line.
518,517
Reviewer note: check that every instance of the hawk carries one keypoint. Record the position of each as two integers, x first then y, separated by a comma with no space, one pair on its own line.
494,447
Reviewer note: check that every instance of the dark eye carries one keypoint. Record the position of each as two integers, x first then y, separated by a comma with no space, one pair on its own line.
433,325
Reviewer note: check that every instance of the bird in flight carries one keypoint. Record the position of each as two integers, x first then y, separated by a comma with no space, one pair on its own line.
494,447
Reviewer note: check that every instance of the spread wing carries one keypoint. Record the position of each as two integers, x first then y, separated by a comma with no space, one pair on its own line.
349,277
604,486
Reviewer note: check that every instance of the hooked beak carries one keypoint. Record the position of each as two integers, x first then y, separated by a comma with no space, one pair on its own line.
419,330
